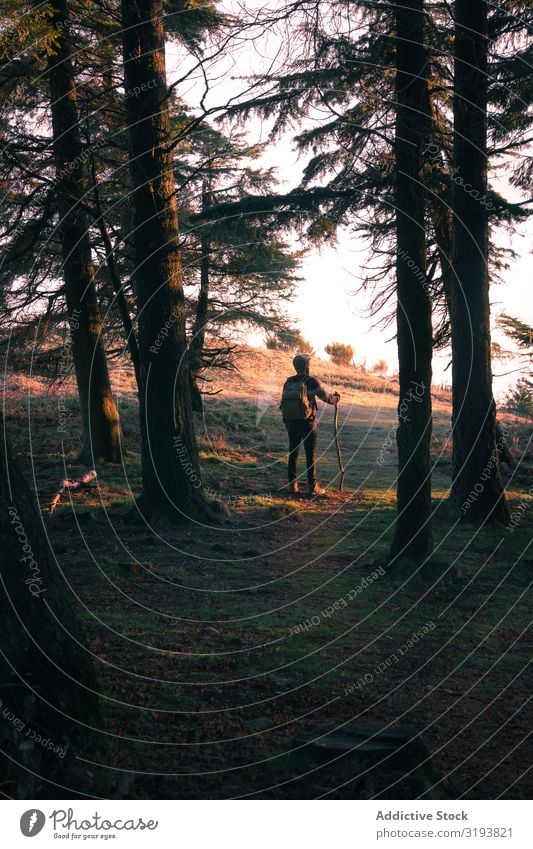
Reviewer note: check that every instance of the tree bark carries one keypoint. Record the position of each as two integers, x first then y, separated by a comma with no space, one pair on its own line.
172,486
197,342
413,536
476,487
101,426
114,276
442,224
46,678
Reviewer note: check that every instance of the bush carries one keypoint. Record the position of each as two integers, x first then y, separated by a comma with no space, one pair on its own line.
381,367
289,340
519,399
340,354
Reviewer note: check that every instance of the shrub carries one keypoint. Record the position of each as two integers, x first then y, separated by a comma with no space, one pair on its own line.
340,354
289,340
519,399
381,367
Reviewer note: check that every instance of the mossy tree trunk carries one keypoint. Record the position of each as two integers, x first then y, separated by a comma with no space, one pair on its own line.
172,486
101,425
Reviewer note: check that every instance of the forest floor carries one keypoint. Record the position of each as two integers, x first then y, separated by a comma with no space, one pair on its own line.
220,652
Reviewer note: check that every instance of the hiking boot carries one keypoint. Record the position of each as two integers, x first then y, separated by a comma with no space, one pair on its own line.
315,489
294,489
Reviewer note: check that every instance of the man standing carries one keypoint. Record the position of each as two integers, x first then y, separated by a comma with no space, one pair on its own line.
299,409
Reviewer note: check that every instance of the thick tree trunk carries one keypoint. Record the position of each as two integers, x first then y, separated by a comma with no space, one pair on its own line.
413,537
46,680
101,427
172,486
476,487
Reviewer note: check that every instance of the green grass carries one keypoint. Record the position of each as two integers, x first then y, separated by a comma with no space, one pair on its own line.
310,555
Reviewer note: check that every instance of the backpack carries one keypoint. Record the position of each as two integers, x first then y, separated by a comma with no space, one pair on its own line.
295,404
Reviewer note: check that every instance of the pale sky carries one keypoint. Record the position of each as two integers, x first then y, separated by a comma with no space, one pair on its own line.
325,308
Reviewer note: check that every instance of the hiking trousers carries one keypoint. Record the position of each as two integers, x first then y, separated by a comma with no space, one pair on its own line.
302,432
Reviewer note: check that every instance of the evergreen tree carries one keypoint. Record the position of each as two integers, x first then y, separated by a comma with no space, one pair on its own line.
519,399
251,269
239,272
519,331
475,456
172,487
101,428
45,229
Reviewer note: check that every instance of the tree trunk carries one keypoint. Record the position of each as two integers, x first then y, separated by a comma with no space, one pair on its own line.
46,678
172,486
122,303
101,426
200,321
114,276
476,486
413,536
442,225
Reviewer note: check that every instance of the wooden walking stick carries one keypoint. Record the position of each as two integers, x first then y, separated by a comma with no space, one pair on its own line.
339,455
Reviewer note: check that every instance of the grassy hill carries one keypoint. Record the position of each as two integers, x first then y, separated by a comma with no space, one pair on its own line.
217,648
